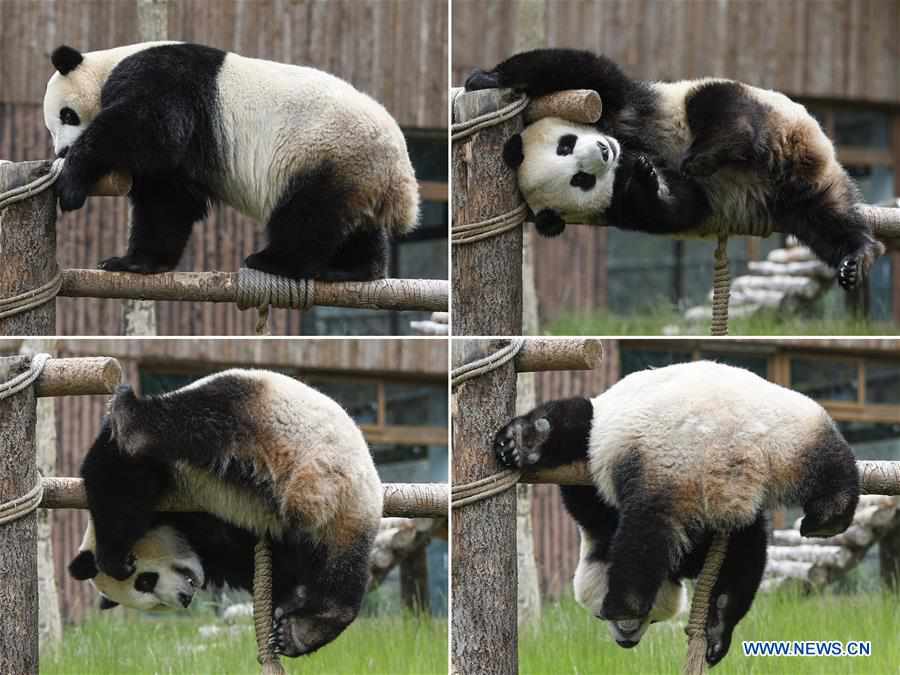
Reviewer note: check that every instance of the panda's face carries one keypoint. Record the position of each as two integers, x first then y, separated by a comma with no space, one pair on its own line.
72,98
591,585
167,573
567,167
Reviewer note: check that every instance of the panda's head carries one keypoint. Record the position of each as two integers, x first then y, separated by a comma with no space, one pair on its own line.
591,584
168,572
566,171
72,98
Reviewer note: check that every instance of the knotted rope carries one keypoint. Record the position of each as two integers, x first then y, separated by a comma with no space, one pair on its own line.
263,290
262,607
27,503
475,491
695,664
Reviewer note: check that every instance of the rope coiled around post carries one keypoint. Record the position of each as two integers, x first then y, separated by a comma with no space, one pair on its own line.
262,607
27,503
469,233
263,290
475,491
461,130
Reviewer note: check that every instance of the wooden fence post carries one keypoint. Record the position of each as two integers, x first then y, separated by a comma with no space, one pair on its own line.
27,249
483,583
18,539
487,274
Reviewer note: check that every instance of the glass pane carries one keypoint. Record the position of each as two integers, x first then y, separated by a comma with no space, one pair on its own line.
359,399
641,359
755,364
825,380
862,128
875,182
428,154
415,404
882,382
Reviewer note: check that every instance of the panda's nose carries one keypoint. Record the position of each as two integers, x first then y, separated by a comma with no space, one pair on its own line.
185,599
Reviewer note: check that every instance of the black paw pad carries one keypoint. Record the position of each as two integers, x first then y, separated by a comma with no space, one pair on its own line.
850,272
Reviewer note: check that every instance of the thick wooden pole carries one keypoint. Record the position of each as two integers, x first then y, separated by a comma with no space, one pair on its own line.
483,583
18,539
27,249
487,274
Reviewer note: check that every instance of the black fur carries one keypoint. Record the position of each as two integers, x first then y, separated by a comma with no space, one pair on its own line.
830,489
730,129
161,123
65,59
638,204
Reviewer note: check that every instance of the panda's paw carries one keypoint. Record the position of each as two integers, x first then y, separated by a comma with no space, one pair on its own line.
130,263
718,633
71,192
480,79
850,272
518,444
646,173
276,636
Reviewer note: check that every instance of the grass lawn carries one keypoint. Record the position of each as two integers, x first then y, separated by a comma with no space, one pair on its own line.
116,643
569,640
661,322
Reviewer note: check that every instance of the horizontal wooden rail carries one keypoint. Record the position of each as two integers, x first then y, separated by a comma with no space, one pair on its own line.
79,376
401,294
562,354
406,500
875,477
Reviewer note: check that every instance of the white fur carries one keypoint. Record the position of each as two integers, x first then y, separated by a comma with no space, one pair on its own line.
544,177
688,422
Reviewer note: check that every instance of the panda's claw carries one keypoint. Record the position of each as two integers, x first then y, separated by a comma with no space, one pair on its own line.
849,272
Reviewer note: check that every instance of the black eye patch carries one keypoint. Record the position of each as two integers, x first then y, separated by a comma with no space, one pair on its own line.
146,582
583,180
566,144
69,116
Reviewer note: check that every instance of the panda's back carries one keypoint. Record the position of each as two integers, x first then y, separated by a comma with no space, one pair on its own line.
280,120
722,439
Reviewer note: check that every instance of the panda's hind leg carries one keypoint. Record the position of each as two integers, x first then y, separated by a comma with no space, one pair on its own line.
313,226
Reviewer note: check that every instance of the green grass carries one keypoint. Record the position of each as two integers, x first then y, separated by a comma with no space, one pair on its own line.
569,640
115,643
663,320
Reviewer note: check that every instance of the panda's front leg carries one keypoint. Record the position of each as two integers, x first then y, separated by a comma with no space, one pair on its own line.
552,434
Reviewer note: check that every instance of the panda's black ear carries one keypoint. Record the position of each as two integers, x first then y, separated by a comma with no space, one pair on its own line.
83,566
512,152
549,223
65,59
106,603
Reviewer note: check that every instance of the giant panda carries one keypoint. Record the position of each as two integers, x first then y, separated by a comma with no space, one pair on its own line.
260,454
749,157
676,454
322,164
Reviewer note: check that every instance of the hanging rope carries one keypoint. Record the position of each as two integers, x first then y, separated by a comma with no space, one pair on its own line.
35,187
27,503
721,289
695,664
262,607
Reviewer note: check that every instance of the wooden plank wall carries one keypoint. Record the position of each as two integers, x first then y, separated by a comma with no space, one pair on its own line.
78,417
392,49
835,49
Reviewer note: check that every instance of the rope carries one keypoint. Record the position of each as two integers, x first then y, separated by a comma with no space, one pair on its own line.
461,130
27,503
262,291
262,607
695,664
721,289
474,491
35,187
472,232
